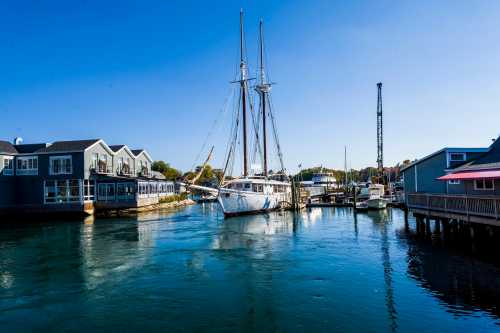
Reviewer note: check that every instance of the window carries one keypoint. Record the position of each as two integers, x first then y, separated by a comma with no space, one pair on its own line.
27,165
454,182
106,192
88,190
457,157
484,184
120,165
60,165
8,165
95,159
103,164
125,191
62,191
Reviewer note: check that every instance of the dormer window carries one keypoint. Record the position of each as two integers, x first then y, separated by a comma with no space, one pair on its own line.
457,157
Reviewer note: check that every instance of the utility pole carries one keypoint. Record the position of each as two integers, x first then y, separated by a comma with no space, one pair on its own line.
380,135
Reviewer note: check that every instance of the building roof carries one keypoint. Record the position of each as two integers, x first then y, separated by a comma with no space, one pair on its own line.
449,150
137,152
30,148
116,148
7,147
489,160
68,146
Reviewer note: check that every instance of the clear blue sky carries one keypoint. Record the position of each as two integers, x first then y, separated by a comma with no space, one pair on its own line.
155,74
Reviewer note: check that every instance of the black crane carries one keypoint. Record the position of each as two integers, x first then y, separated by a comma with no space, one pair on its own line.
380,135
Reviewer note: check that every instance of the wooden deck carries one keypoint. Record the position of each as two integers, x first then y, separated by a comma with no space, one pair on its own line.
478,209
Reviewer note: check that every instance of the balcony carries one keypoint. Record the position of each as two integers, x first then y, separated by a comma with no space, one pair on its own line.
102,169
456,206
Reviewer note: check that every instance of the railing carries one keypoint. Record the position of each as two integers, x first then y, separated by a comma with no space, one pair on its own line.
486,206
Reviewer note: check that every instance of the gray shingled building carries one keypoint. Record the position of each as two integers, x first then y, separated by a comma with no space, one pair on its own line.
76,176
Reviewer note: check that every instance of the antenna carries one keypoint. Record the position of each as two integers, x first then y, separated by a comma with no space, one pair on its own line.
380,134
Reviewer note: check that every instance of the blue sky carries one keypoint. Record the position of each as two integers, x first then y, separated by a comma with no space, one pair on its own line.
155,74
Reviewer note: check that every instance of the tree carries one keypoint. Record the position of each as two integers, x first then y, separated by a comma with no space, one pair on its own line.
165,169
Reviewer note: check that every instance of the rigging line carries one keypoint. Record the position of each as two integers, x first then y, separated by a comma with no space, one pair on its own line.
252,111
213,127
233,139
256,141
275,132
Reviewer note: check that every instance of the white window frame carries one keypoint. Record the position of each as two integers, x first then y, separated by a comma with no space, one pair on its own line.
484,185
95,161
6,171
68,198
61,158
454,182
87,185
106,197
27,171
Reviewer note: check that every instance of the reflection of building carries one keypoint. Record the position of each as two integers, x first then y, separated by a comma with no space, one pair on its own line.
459,282
76,176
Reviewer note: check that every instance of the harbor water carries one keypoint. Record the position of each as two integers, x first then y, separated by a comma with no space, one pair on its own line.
320,270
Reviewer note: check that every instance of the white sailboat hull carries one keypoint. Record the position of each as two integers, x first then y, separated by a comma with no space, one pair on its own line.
235,202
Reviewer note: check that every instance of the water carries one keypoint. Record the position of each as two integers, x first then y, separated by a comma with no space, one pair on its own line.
192,271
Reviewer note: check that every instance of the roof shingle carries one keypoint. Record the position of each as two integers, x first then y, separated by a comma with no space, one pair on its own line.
61,146
116,148
7,147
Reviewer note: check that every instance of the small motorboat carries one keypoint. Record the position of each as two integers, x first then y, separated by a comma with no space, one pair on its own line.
376,197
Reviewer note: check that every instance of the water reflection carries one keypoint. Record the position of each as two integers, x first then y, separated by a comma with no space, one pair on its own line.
113,249
463,283
246,231
193,270
381,219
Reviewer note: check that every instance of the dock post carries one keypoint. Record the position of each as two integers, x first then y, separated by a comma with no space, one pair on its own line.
418,223
355,199
437,226
427,227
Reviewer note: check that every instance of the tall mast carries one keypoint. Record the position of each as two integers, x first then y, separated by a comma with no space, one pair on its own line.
345,166
263,88
380,135
243,78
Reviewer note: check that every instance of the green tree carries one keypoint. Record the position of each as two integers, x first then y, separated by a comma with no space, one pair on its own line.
165,168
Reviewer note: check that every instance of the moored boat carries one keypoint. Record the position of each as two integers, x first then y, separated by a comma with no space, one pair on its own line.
252,192
375,197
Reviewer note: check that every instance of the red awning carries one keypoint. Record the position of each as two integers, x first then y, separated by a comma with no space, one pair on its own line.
472,175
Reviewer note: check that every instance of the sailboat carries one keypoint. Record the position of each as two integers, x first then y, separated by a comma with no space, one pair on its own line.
253,192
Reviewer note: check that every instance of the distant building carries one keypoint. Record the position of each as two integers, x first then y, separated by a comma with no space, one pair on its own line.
456,183
481,176
421,176
76,176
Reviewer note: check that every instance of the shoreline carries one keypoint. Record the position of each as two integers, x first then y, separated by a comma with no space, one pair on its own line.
159,206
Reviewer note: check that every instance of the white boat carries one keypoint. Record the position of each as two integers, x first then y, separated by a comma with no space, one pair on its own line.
376,197
320,183
252,193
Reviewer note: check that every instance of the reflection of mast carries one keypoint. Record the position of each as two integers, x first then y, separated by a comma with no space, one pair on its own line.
386,262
